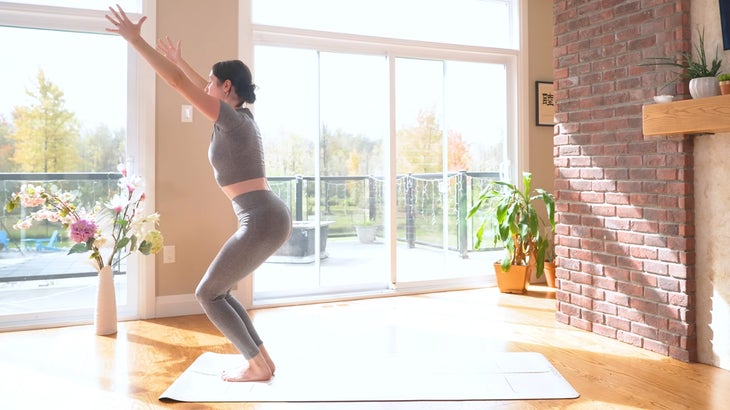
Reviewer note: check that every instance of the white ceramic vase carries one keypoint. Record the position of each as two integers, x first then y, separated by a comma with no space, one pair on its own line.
704,87
105,315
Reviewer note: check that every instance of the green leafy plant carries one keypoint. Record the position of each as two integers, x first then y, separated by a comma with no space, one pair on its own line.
688,66
515,221
724,77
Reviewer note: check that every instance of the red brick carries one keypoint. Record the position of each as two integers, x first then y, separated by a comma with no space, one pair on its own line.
604,330
643,279
581,323
618,323
644,252
629,338
678,299
605,307
629,314
604,283
655,346
656,295
618,299
659,268
581,301
656,322
592,316
630,289
634,244
668,284
644,330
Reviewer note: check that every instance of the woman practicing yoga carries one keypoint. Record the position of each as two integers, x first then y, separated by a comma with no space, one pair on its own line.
236,155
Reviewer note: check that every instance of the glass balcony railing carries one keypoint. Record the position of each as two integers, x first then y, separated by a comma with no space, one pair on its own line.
46,237
431,210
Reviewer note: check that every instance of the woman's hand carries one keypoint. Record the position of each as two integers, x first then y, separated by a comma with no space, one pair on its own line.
123,26
172,51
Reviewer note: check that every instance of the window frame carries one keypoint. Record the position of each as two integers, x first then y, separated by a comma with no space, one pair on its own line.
251,35
140,148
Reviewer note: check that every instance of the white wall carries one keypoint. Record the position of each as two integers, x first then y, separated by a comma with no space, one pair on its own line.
712,215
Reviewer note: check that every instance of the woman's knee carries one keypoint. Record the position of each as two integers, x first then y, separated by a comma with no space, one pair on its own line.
205,293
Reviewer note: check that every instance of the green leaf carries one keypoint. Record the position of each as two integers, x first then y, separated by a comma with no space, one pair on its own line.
10,205
79,248
122,244
145,247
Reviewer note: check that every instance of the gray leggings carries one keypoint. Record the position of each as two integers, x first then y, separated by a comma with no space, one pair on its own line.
264,224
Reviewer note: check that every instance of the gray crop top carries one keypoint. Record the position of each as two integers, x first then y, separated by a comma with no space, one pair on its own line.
236,152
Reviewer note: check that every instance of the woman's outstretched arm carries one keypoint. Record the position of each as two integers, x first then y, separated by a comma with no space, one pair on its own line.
173,52
166,69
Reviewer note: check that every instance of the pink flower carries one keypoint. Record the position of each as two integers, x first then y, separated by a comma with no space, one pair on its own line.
82,230
117,203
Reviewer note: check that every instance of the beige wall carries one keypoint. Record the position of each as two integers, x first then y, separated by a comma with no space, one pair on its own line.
540,68
712,170
195,216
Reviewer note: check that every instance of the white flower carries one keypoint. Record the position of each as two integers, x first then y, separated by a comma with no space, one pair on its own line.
118,226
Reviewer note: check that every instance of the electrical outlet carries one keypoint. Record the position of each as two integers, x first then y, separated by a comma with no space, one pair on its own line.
168,254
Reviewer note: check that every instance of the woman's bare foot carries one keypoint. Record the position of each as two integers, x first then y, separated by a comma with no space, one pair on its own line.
256,371
270,362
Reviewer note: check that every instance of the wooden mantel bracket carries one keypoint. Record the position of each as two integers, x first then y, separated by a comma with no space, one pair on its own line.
700,116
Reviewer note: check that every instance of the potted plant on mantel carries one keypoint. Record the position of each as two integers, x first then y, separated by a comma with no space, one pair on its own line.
702,75
516,224
724,81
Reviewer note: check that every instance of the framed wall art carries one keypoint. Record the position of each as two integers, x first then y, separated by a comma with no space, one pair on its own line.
544,104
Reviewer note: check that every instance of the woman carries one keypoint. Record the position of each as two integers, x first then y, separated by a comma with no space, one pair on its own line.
237,159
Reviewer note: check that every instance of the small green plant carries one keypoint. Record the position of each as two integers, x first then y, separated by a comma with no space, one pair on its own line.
724,77
689,67
516,223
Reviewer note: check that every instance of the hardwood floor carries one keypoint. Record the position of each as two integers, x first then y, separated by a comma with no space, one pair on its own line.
71,368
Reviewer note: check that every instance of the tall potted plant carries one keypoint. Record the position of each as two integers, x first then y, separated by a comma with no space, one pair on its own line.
516,223
701,73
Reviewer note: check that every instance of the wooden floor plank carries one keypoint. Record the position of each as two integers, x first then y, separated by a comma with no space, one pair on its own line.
71,368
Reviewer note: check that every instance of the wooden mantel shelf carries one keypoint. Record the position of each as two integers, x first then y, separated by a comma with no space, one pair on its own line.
696,116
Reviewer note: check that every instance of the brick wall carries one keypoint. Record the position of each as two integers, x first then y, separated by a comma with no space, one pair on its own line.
625,234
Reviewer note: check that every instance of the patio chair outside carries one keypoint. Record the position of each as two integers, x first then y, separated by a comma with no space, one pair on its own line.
45,244
4,241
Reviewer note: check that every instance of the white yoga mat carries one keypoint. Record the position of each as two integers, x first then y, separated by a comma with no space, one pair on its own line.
504,376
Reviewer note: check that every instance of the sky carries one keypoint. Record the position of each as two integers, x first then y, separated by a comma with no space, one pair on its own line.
91,70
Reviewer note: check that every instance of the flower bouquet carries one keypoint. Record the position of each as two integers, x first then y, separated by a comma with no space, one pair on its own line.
110,231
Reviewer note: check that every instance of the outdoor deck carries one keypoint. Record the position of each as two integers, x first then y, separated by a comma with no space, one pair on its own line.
31,281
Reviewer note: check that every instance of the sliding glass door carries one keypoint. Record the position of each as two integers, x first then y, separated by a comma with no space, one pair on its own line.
379,136
451,140
325,158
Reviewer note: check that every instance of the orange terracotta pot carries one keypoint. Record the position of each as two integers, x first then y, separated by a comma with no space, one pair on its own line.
512,281
549,273
724,87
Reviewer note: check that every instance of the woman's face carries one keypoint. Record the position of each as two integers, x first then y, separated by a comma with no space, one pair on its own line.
216,88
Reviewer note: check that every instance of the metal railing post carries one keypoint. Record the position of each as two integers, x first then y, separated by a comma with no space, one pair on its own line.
372,211
299,198
461,212
410,211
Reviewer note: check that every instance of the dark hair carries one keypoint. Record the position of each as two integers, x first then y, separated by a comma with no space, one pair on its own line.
240,76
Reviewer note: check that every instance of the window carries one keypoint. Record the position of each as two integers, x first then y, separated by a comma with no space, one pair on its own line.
485,23
61,67
130,6
355,114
